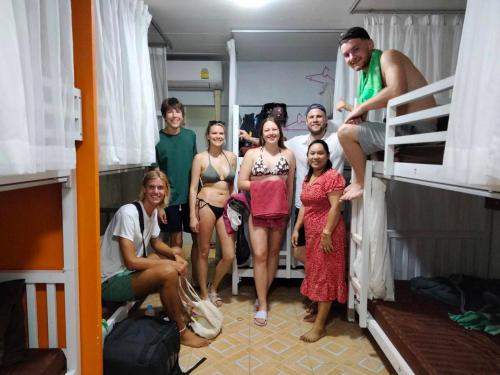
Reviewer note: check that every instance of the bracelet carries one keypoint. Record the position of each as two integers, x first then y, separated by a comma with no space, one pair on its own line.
326,232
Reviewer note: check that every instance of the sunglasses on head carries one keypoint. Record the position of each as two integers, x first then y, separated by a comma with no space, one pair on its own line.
213,122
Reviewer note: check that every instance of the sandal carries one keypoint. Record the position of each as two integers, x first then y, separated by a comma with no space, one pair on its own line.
215,299
260,318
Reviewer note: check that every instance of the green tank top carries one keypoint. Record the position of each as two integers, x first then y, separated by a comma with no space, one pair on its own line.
370,83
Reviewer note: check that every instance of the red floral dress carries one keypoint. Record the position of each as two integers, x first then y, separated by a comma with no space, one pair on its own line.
324,273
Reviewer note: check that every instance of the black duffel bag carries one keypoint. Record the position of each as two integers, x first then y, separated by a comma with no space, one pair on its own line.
142,346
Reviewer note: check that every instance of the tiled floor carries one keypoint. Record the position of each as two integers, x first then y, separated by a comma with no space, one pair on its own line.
244,348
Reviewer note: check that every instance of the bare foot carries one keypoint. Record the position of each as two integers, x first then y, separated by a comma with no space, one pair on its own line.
311,312
313,335
311,307
310,317
353,191
189,338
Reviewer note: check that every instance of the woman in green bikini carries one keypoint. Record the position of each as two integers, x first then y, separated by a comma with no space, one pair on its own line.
213,170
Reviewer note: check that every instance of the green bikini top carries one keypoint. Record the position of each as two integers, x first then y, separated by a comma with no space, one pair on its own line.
211,175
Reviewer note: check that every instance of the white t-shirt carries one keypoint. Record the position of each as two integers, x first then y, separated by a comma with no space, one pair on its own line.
125,224
299,145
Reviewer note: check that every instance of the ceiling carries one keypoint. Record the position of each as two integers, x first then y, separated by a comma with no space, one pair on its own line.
279,30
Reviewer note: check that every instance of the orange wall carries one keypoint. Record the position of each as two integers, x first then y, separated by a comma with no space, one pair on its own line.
31,226
30,222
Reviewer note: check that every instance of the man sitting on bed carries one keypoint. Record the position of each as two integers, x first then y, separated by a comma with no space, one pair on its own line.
384,75
128,273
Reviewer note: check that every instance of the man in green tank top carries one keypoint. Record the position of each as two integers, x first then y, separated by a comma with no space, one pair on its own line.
174,155
383,75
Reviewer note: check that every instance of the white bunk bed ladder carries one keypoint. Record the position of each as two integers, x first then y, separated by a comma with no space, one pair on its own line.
360,246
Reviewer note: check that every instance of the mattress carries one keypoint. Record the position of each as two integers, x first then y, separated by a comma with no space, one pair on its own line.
429,341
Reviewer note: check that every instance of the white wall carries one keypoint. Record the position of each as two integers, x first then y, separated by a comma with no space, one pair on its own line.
261,82
281,81
295,83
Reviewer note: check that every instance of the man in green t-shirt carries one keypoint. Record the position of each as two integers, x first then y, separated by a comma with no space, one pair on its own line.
174,155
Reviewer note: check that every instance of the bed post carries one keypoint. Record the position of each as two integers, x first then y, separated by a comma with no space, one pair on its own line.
71,298
365,246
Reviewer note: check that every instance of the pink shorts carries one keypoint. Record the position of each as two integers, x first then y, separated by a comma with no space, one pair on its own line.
269,223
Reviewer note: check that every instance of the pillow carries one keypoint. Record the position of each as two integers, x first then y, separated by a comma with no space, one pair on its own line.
12,330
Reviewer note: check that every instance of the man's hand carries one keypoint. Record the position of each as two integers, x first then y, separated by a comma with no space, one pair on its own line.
342,105
356,116
180,265
176,250
244,135
162,216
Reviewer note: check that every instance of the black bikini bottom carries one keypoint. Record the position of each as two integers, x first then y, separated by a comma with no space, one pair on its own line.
218,211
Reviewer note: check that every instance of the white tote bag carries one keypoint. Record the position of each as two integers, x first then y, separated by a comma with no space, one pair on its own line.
206,318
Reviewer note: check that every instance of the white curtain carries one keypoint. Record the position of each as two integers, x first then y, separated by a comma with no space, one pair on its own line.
430,41
127,117
158,58
472,154
37,80
233,84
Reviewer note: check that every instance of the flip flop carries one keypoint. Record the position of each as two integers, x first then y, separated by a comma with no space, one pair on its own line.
260,318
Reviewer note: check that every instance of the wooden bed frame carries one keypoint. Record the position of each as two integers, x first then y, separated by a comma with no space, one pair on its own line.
68,276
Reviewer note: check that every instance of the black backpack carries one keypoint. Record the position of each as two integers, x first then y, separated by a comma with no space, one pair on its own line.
143,346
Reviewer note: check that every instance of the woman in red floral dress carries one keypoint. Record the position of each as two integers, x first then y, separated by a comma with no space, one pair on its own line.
324,279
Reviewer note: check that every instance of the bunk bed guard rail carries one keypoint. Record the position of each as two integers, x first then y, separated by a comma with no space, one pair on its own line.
393,121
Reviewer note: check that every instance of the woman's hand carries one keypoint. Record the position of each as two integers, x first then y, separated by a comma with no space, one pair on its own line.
194,224
295,237
326,242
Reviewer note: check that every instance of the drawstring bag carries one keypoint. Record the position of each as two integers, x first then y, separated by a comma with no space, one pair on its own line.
206,318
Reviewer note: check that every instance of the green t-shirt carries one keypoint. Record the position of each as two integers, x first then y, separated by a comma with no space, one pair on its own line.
174,156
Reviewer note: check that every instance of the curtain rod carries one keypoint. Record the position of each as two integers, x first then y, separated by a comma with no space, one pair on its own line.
355,4
158,29
319,31
408,12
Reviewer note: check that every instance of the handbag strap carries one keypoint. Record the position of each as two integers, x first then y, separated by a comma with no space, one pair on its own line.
141,225
190,293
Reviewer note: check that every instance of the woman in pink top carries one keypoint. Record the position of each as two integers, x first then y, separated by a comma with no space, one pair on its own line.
272,161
